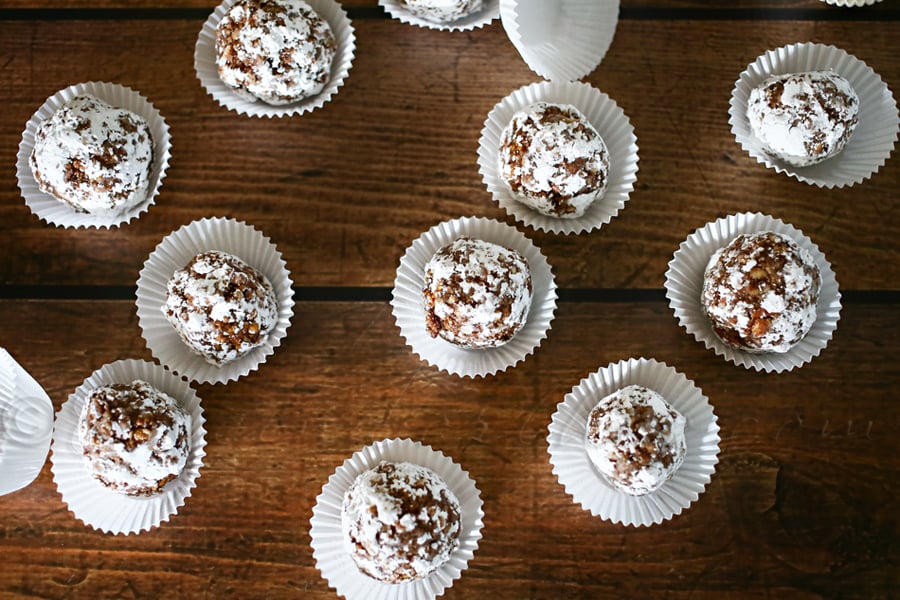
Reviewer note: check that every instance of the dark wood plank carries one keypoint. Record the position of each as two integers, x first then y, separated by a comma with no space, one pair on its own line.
344,190
801,504
625,4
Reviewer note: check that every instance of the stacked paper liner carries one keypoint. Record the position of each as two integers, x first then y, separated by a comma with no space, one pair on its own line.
173,253
490,10
26,425
588,486
684,282
607,118
409,312
61,214
330,549
91,501
874,136
208,73
560,40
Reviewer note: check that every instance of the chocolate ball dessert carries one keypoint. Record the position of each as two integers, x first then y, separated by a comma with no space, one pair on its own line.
760,292
401,522
553,160
477,294
636,439
803,118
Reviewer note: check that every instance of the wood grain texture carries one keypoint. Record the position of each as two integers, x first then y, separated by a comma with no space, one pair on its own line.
798,506
344,190
803,501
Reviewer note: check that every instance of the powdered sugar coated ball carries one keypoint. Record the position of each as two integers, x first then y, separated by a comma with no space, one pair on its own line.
400,521
803,118
760,292
277,51
553,160
636,439
477,294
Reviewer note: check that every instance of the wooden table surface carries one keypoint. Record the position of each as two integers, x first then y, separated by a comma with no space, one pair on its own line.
803,503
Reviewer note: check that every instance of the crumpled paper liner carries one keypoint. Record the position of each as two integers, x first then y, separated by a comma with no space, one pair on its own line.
561,40
26,425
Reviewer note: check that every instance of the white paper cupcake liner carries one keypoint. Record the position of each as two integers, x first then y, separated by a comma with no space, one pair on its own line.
489,11
173,253
851,2
26,425
88,499
607,118
560,40
56,212
208,73
409,311
588,487
329,550
871,143
684,283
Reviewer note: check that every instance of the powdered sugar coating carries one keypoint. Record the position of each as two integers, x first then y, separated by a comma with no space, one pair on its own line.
442,11
477,294
760,292
135,438
277,51
93,156
400,521
803,118
221,307
553,160
636,439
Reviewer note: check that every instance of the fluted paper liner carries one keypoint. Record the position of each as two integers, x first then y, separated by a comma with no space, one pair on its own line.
173,253
26,425
490,10
56,212
851,3
608,119
409,311
589,488
561,40
873,139
331,554
208,73
684,285
88,499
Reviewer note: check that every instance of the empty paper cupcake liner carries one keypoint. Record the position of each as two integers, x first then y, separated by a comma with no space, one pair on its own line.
490,10
208,73
59,213
88,499
684,284
561,40
26,425
607,118
588,487
873,139
329,546
173,253
408,305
